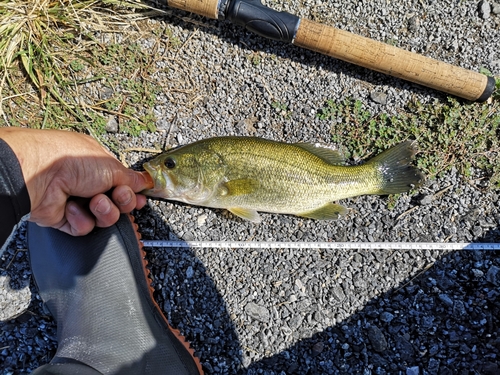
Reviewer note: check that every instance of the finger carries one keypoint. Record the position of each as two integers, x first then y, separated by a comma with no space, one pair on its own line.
124,198
141,201
105,211
78,220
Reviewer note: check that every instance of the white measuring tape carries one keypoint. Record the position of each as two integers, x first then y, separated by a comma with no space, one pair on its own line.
323,245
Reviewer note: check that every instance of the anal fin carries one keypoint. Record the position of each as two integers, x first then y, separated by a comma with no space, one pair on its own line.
329,211
246,213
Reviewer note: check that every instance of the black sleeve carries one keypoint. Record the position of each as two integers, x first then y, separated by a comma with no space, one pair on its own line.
14,198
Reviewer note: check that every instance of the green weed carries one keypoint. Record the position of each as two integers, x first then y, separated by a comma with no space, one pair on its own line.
282,109
255,58
451,134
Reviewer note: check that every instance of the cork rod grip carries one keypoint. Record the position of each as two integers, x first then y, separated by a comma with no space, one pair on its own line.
393,61
207,8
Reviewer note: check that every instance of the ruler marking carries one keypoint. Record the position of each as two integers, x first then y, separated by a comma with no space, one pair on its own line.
324,245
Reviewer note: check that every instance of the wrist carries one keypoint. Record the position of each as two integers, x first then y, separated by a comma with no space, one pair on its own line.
34,157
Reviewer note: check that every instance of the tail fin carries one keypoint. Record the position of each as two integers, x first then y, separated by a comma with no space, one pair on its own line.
398,176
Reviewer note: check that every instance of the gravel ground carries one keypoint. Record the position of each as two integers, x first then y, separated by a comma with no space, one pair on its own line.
307,311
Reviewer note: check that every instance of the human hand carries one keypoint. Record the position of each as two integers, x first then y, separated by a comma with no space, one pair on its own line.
68,174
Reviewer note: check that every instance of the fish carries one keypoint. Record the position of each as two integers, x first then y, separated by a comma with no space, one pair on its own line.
247,175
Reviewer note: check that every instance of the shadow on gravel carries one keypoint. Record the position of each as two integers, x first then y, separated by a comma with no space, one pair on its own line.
246,40
14,283
444,320
27,340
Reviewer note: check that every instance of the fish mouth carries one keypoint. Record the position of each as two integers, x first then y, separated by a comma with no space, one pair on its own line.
159,189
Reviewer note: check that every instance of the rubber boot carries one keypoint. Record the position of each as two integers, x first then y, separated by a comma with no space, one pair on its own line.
98,291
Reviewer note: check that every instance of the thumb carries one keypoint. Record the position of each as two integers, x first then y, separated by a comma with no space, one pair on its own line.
138,181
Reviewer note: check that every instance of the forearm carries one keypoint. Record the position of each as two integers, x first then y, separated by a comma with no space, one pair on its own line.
14,198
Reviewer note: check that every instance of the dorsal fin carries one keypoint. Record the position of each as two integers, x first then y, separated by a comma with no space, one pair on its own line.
326,154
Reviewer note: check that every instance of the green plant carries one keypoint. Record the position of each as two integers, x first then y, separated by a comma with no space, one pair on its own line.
451,134
173,40
281,108
255,58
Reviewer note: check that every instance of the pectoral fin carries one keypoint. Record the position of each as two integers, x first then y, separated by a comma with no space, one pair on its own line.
329,211
241,186
246,213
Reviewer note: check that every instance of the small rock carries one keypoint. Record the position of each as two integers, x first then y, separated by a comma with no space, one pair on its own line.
300,286
295,322
426,199
377,339
292,368
163,124
13,302
427,322
189,272
106,93
446,299
112,125
434,349
208,367
257,312
433,367
415,370
386,317
489,368
459,309
493,275
484,9
318,348
446,371
477,273
404,348
247,125
202,220
413,24
379,97
454,337
495,8
464,349
338,293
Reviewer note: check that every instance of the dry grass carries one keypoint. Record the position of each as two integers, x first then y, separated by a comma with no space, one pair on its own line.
40,39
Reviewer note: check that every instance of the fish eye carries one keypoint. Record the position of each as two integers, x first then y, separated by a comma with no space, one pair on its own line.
169,163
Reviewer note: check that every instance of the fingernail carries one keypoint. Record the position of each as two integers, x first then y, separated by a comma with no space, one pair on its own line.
125,198
72,209
103,206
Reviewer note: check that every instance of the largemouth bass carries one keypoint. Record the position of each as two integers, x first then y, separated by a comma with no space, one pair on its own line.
245,175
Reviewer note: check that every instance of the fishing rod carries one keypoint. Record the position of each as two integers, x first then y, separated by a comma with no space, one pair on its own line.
346,46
